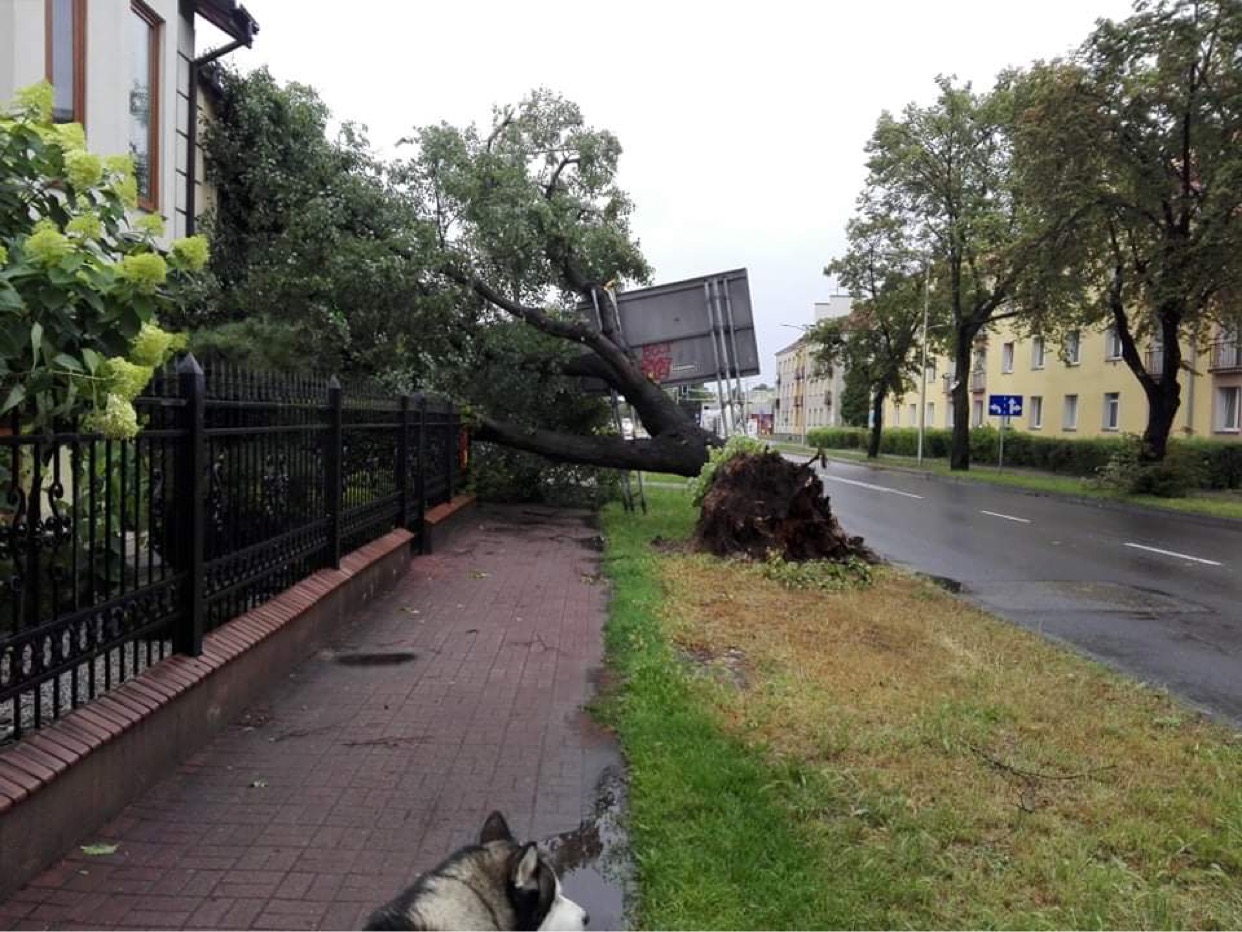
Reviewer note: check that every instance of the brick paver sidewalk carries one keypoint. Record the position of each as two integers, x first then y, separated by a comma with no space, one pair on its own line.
367,766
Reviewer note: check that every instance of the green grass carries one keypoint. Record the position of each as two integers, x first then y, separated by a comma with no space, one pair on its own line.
1215,504
714,845
857,778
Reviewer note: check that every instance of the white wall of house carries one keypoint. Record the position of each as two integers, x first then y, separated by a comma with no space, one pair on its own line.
111,38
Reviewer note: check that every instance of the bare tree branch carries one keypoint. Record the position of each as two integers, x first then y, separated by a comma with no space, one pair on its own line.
556,175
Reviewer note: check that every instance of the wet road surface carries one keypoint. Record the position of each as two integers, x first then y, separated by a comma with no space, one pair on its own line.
1158,596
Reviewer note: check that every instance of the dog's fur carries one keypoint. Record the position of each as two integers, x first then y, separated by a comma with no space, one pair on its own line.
496,884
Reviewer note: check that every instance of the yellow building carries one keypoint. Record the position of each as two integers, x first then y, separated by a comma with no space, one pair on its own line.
789,409
1083,388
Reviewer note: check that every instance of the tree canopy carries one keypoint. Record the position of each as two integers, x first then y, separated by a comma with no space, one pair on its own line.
417,269
1133,144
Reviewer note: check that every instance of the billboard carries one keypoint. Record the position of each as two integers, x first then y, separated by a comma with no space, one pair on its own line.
689,332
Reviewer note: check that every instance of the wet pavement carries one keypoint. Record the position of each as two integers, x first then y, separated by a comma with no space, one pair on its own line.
1156,595
460,690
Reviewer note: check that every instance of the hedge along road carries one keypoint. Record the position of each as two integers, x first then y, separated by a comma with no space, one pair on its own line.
1158,596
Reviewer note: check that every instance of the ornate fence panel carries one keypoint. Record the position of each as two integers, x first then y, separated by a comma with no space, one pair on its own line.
115,554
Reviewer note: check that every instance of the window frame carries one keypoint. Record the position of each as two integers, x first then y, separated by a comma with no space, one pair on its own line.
78,17
1037,412
1219,425
1065,406
155,24
1112,340
1113,399
1074,360
1041,344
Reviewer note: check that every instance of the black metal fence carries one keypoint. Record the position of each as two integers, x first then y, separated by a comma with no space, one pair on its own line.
115,554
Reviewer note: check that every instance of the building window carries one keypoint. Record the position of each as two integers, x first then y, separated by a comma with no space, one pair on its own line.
1069,417
1007,357
914,415
1112,410
948,414
976,408
1037,412
1037,353
144,102
931,414
1227,404
896,415
1112,344
66,59
1073,348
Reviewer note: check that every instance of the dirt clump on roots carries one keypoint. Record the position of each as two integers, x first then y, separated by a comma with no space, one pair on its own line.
760,503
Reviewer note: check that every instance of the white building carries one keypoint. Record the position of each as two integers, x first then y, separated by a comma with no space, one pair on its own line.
825,387
122,68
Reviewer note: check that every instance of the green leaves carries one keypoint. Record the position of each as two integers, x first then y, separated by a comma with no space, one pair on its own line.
62,304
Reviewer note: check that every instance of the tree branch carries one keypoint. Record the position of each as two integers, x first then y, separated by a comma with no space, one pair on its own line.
536,317
500,128
551,187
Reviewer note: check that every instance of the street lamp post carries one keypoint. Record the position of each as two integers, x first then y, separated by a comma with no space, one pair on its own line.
923,368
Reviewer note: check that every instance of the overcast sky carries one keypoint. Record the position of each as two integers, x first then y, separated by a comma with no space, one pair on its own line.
743,125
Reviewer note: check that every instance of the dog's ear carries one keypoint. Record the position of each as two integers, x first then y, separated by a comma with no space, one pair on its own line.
526,868
495,829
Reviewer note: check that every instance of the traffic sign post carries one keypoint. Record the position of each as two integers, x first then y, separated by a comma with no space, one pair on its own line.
1004,407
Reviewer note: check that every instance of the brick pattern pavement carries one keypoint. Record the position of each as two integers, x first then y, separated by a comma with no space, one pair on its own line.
320,804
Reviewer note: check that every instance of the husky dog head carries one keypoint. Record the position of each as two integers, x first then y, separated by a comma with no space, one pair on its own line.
496,884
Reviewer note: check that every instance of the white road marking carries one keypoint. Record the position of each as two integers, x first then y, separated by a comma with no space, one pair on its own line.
997,514
874,488
1171,553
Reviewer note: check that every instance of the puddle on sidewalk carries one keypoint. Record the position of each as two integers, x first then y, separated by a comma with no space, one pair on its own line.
593,859
391,658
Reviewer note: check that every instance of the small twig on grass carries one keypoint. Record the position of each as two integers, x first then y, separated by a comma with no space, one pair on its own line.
1035,774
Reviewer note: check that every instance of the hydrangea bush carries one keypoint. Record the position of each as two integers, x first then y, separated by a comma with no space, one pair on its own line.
81,287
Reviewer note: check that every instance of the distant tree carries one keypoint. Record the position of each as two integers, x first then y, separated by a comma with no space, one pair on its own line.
1135,142
941,175
875,342
855,398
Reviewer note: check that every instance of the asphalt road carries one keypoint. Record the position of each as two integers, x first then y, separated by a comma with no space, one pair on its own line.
1158,596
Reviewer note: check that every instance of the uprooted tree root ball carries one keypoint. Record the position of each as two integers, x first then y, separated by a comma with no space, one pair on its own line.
760,503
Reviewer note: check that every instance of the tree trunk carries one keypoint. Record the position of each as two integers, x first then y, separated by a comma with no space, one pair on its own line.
877,424
1164,394
677,444
959,452
682,453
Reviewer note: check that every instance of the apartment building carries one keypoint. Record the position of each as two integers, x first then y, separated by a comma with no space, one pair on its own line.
808,395
789,408
122,68
1081,387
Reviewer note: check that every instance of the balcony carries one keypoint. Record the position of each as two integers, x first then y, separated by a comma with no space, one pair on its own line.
1226,356
978,380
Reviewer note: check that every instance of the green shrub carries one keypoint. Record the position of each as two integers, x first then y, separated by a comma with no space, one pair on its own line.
1221,461
80,286
1181,470
1207,464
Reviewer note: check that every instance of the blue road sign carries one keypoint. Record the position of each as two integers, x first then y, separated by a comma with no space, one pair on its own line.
1005,405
